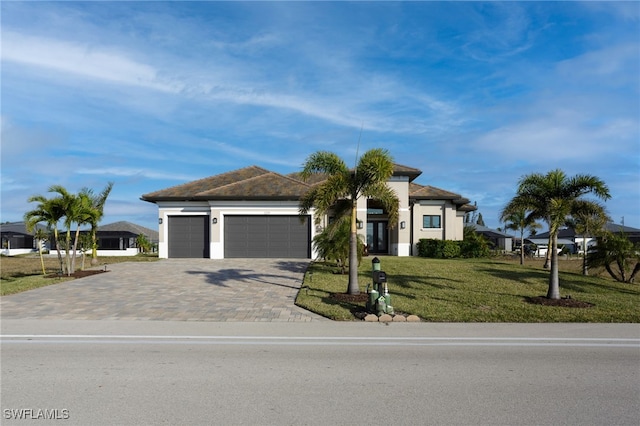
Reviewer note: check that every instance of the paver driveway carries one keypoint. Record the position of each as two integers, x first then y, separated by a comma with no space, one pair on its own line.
173,289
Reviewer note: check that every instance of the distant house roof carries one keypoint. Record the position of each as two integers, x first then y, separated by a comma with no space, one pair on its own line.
19,228
128,227
494,233
545,241
570,233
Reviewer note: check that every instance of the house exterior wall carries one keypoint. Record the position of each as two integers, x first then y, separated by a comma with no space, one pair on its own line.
451,221
400,237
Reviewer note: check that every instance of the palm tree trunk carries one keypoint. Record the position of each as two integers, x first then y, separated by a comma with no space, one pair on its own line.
44,272
548,256
585,268
94,246
67,249
554,280
75,246
521,248
56,237
352,287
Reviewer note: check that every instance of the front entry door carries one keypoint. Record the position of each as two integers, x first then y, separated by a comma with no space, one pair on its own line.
377,237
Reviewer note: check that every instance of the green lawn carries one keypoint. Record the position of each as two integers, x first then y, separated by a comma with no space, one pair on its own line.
22,273
478,290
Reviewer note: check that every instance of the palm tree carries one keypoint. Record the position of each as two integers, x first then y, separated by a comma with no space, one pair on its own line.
340,192
519,221
554,197
67,202
83,213
41,236
98,201
49,211
333,242
589,223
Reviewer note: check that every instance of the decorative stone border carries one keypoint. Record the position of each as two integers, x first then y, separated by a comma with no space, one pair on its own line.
389,318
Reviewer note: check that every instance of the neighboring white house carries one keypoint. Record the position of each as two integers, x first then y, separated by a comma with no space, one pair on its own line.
253,213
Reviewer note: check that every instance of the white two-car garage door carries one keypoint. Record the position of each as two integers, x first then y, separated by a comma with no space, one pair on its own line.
270,236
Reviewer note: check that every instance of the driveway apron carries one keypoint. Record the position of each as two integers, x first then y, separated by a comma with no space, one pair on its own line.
173,290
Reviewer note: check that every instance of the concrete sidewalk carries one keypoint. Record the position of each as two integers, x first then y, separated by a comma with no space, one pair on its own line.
173,290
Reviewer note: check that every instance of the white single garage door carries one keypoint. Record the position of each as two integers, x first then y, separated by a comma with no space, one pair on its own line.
189,236
267,236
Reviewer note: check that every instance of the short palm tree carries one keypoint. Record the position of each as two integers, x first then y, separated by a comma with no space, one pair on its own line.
553,198
519,221
340,192
49,211
97,201
589,223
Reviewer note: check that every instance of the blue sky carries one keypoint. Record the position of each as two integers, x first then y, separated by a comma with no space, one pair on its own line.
476,95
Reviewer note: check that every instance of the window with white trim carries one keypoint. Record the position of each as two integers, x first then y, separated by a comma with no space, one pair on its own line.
431,221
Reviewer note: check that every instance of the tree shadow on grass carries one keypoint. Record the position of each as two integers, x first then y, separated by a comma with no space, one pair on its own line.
568,281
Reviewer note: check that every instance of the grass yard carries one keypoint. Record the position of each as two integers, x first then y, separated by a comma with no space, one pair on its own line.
475,290
22,273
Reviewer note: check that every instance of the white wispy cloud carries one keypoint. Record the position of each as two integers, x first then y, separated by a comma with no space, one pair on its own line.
134,172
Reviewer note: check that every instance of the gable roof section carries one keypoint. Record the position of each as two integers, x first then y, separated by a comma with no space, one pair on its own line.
400,170
249,183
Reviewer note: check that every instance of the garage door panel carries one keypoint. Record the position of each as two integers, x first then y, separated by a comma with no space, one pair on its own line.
271,236
188,236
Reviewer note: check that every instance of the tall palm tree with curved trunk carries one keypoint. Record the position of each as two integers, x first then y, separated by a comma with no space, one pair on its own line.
553,198
340,192
519,221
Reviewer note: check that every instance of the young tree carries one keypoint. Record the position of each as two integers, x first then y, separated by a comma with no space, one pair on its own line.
333,242
97,202
72,211
519,221
343,187
616,253
49,211
554,197
589,223
41,237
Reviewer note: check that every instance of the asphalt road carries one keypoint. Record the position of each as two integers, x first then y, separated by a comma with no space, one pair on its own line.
134,373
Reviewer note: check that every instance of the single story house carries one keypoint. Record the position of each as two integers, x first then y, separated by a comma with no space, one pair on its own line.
579,242
254,213
498,239
120,238
17,240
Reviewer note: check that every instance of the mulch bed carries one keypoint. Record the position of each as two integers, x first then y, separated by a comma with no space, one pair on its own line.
79,274
565,302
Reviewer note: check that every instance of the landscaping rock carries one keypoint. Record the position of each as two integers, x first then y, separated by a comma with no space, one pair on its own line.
399,318
385,318
371,318
413,318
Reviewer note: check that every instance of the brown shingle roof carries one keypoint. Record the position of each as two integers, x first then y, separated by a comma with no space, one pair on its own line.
248,183
427,192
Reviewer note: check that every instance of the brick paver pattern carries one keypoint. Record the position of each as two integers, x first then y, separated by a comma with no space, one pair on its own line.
173,290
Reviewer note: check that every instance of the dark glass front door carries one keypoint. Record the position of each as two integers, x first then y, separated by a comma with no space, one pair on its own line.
377,237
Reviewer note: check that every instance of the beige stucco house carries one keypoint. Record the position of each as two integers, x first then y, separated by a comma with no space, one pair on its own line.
253,213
